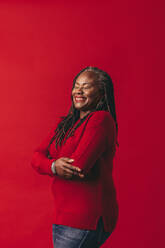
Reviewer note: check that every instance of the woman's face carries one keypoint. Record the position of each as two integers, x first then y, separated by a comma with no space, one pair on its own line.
85,93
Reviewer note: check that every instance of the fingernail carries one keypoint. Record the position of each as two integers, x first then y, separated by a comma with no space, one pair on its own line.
71,160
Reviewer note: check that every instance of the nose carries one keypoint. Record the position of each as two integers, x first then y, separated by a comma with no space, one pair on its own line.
79,89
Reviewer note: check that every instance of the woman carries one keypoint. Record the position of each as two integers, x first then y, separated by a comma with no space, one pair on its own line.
78,153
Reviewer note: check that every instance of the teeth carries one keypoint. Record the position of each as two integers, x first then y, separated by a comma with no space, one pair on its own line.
80,98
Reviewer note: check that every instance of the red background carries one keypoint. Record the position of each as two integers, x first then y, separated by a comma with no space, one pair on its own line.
43,45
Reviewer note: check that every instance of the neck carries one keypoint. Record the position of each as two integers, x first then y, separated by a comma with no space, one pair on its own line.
83,114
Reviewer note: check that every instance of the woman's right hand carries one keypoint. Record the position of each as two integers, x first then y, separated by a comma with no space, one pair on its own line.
66,170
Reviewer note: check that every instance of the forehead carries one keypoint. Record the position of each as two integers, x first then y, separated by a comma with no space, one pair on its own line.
86,77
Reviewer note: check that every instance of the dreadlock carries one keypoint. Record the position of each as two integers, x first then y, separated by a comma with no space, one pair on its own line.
106,102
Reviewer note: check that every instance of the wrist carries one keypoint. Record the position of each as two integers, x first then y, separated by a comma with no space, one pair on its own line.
53,168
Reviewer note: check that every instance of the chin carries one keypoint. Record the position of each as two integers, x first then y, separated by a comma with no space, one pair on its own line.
79,108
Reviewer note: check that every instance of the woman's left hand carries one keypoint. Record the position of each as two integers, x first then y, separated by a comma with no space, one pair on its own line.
66,170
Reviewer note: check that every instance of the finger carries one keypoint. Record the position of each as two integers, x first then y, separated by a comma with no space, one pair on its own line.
81,175
74,173
71,160
72,167
68,176
68,159
69,171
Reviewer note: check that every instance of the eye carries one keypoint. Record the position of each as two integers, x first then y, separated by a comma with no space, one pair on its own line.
75,87
84,87
87,87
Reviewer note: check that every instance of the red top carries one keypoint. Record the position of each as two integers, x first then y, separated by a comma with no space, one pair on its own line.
80,202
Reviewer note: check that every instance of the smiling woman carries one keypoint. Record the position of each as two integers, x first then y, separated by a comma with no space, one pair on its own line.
78,153
86,93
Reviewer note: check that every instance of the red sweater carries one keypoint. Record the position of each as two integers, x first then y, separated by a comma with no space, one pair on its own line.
80,202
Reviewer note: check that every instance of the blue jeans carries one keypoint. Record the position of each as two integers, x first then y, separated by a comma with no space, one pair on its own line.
69,237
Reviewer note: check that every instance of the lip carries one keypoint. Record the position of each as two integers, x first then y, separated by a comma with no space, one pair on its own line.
79,98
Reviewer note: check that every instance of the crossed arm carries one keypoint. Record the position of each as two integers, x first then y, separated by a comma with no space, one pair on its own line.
91,146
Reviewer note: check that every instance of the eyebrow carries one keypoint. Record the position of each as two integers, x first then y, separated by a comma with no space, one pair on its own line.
83,83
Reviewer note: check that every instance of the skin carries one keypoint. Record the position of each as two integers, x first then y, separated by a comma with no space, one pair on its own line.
86,88
66,170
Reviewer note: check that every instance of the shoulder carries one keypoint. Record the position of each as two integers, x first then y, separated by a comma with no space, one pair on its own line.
101,117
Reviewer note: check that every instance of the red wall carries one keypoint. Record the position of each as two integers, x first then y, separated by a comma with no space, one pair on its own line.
43,45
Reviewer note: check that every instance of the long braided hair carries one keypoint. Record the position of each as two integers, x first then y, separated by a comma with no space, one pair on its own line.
106,102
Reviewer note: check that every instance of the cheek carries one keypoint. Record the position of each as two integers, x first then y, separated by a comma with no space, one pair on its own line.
72,92
92,94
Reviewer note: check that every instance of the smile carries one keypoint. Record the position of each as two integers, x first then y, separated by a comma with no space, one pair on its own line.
79,99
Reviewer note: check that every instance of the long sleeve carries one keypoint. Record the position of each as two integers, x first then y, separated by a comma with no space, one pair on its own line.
97,137
40,162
